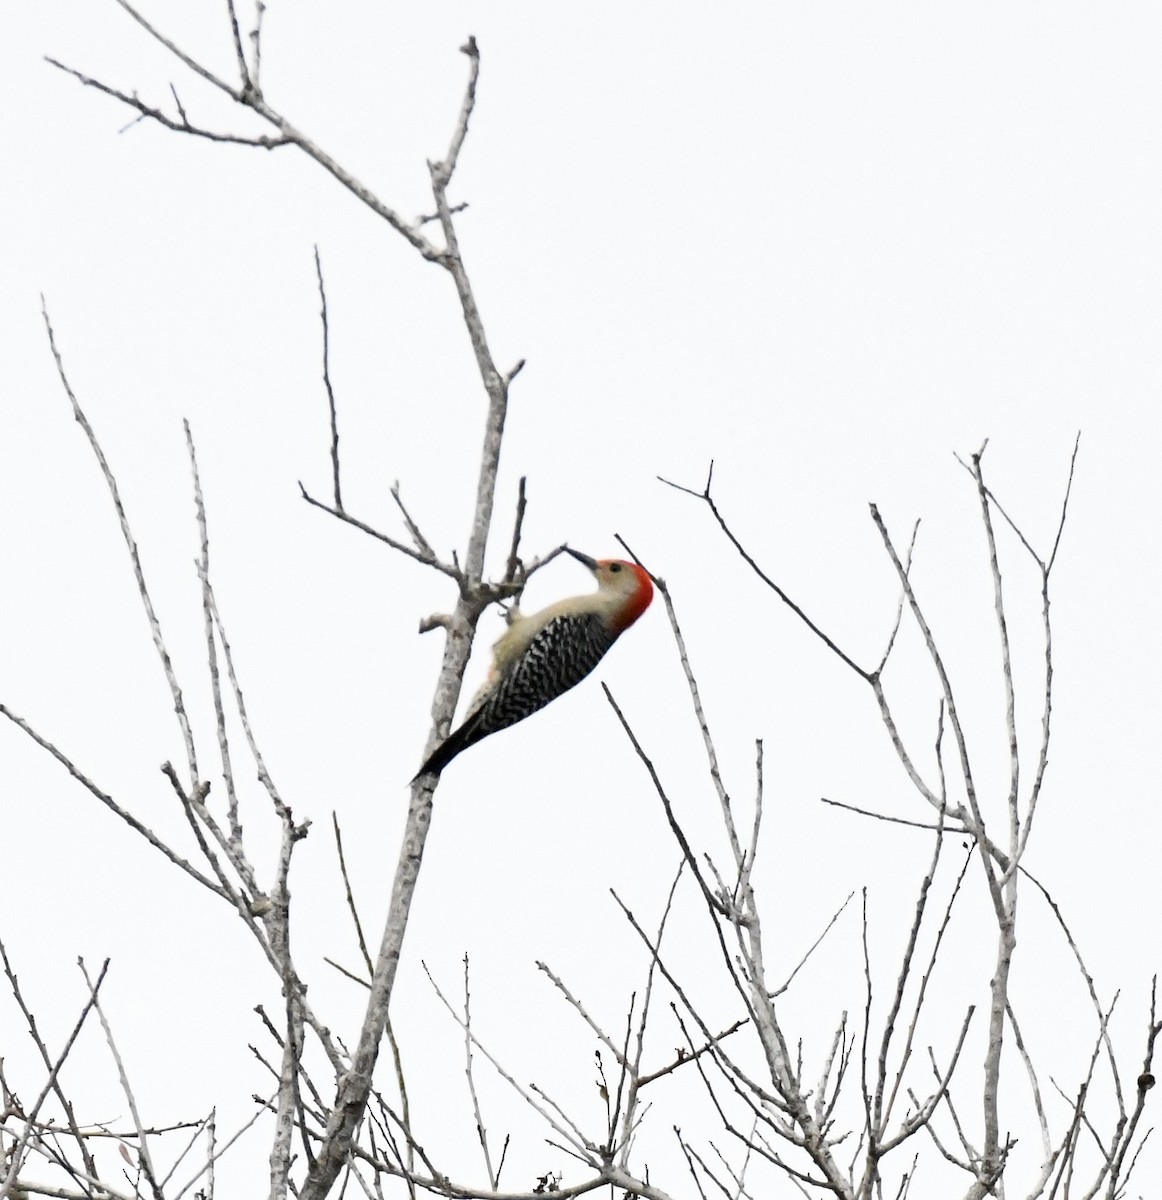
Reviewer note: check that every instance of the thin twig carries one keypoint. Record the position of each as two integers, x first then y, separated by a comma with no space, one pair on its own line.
635,1083
422,543
256,42
688,1057
387,539
243,71
813,947
131,546
899,603
1006,666
937,659
514,563
712,901
705,496
182,125
1064,504
602,1036
481,1131
112,804
143,1154
337,491
211,649
867,812
350,896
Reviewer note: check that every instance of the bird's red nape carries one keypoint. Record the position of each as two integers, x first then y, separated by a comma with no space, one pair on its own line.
639,601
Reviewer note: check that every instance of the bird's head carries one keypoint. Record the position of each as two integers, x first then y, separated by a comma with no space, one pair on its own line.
625,583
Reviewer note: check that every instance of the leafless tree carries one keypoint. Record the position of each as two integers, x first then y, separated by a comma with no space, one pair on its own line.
793,1117
836,1126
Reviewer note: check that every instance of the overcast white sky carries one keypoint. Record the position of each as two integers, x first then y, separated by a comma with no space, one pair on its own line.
826,246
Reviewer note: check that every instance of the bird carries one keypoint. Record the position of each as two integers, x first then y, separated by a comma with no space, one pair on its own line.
543,655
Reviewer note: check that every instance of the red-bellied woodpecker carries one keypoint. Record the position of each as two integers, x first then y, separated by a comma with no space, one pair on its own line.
542,655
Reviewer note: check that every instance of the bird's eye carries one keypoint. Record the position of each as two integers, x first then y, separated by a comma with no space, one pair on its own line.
615,567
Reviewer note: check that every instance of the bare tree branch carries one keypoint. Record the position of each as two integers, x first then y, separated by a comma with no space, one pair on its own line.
135,558
336,490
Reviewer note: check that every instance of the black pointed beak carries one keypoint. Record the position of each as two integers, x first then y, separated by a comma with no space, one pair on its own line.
591,563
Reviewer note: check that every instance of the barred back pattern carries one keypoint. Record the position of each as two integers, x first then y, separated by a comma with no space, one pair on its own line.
557,659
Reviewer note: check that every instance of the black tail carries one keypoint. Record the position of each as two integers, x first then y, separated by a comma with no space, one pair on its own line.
467,735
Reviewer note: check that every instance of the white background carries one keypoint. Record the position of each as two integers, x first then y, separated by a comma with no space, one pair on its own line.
826,246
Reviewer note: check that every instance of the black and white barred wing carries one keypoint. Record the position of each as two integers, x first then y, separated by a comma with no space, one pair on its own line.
557,659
